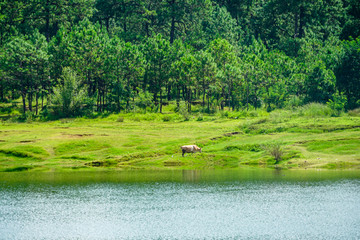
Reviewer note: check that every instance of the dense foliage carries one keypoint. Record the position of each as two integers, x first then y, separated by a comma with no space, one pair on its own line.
120,55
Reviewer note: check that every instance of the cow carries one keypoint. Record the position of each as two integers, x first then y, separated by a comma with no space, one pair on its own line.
190,149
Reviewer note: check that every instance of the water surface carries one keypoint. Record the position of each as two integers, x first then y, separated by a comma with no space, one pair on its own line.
251,204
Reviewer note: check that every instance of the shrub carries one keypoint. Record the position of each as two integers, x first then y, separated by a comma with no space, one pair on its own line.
70,99
144,101
166,118
183,110
337,104
293,102
276,151
120,119
29,116
224,114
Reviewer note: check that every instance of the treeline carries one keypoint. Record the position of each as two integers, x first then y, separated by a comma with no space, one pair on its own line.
71,56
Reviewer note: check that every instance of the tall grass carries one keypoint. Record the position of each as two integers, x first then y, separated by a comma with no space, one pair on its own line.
354,112
314,110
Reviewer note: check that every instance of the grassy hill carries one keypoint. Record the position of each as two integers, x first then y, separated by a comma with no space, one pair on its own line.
298,139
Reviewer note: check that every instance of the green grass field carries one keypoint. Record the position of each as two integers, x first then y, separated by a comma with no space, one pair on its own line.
152,141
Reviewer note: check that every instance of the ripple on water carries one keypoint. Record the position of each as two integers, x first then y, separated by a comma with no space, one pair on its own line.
168,210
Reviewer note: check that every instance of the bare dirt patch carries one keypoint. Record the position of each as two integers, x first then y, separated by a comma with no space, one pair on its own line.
27,141
226,135
69,135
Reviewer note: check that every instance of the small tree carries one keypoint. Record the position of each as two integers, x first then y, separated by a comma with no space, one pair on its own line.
69,99
337,104
276,151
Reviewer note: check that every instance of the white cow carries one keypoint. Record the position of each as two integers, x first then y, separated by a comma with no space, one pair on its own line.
190,149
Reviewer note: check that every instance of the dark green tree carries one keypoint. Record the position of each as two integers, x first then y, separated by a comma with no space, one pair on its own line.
352,25
347,73
157,53
220,24
83,49
26,67
319,83
125,69
206,71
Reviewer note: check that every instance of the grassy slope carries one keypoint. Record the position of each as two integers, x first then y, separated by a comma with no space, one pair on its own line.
146,141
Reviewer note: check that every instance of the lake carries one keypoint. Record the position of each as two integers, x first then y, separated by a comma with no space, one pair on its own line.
219,204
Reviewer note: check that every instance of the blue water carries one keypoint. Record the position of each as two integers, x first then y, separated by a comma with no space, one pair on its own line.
211,207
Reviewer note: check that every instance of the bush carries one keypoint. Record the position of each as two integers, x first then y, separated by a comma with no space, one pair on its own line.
276,151
29,116
69,99
224,114
183,110
337,104
166,118
200,117
120,119
293,102
144,101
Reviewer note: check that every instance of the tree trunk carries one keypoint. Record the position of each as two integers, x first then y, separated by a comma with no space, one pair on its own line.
98,102
23,95
208,105
230,95
2,98
233,103
255,90
222,99
118,96
247,98
172,31
301,27
47,21
107,24
30,102
172,27
155,99
125,26
296,24
37,103
147,29
169,92
229,101
203,97
189,100
118,102
160,100
178,97
104,99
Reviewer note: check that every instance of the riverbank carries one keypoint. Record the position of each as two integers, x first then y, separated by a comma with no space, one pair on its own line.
152,141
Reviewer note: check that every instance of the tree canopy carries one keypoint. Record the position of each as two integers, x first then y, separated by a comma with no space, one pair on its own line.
121,54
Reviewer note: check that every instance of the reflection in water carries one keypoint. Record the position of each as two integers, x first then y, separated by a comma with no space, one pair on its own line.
188,205
191,175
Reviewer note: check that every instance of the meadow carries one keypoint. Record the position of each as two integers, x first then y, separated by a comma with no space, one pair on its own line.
307,137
